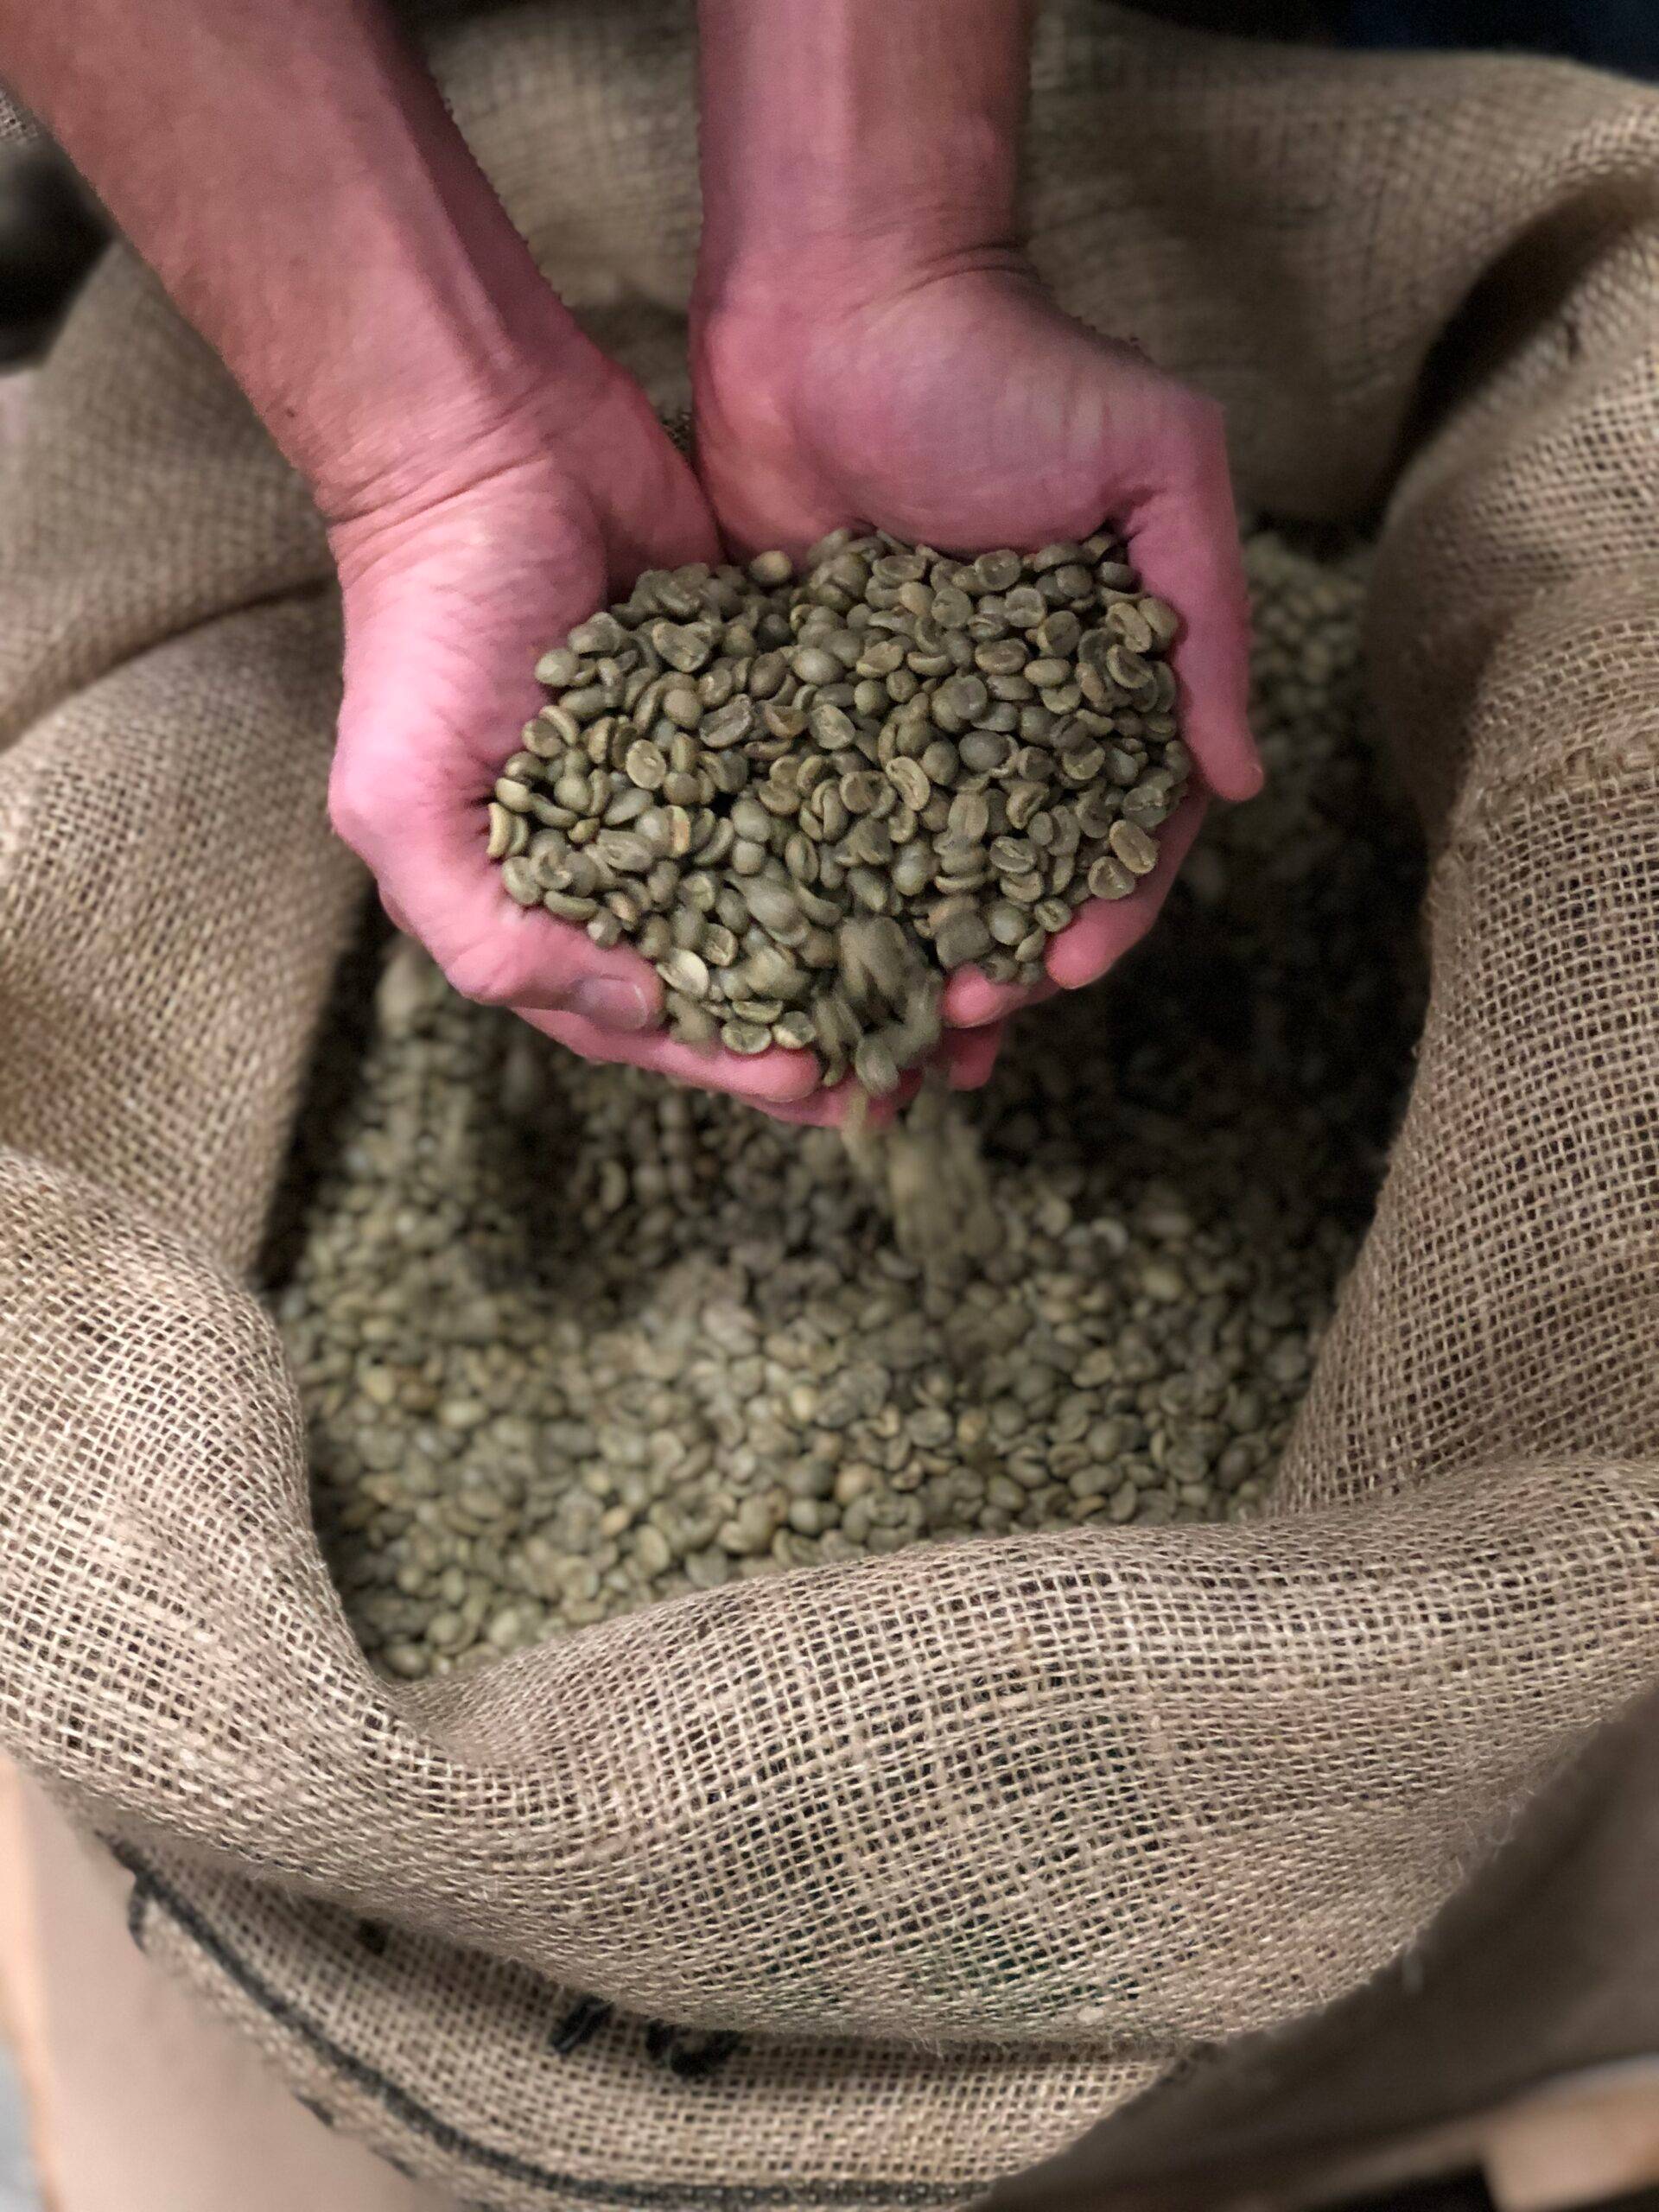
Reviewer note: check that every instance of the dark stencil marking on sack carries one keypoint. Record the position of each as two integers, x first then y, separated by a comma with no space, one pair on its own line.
407,2110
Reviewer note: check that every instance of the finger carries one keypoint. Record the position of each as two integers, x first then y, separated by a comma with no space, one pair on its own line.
1104,931
1183,537
774,1076
828,1109
971,1000
971,1054
504,954
818,1112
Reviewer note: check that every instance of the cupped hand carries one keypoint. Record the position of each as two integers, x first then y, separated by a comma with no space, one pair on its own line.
961,408
450,594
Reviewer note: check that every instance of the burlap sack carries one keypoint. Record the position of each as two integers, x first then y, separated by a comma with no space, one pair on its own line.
927,1861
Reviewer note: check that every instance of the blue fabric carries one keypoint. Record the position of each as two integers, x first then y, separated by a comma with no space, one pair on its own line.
1614,34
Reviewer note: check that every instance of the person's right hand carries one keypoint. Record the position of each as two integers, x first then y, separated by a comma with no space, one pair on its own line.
488,479
451,592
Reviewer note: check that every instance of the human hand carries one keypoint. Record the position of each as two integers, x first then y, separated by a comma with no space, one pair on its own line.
451,590
958,407
868,348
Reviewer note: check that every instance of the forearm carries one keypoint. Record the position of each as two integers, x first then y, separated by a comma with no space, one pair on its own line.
291,174
840,134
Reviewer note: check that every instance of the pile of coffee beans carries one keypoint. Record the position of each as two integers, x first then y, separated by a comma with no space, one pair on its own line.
808,799
572,1339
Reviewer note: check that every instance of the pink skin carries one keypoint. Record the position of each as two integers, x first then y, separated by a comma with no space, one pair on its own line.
446,609
448,600
814,413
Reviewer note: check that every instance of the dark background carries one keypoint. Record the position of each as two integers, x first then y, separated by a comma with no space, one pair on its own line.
1614,34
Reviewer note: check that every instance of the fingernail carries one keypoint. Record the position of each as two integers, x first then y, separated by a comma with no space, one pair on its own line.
612,1003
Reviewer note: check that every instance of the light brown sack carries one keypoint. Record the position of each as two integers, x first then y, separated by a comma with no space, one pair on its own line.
1517,2039
947,1852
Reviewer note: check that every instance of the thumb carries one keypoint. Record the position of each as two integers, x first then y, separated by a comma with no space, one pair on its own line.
1184,539
424,835
442,633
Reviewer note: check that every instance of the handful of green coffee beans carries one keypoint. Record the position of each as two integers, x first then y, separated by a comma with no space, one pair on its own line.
809,798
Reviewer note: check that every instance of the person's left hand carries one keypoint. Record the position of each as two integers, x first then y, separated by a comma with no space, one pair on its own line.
963,409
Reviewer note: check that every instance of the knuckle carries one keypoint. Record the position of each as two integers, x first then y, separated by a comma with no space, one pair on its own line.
1196,441
353,808
489,974
1206,419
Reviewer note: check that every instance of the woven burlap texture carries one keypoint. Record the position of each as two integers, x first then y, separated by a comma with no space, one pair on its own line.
965,1845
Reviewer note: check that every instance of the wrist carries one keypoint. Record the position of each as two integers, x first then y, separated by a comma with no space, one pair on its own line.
846,150
761,349
468,398
793,274
849,234
338,247
446,354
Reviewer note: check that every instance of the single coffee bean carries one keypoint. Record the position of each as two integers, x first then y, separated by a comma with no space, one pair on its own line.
1133,847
